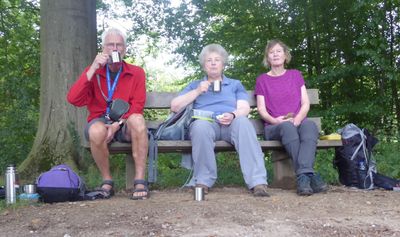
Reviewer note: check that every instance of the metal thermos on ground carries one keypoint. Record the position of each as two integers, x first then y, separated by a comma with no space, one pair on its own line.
199,194
12,184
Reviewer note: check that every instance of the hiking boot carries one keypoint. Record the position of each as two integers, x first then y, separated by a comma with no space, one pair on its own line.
303,185
317,184
260,191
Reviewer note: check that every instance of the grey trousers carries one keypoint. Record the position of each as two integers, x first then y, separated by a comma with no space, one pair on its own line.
299,142
242,135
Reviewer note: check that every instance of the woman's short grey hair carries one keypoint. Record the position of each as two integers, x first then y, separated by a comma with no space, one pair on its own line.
270,45
213,48
112,31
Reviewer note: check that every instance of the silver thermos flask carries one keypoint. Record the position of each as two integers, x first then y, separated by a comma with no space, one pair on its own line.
12,184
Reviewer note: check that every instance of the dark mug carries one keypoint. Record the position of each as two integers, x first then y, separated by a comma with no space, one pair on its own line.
216,86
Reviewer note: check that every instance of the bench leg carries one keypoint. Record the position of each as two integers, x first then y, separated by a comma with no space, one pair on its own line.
284,176
129,171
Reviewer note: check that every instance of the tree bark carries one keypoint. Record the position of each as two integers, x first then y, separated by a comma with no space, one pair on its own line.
68,45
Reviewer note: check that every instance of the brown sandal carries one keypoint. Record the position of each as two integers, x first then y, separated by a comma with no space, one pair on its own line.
138,190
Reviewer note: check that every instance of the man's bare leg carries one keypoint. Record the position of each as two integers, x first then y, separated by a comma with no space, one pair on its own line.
99,149
138,132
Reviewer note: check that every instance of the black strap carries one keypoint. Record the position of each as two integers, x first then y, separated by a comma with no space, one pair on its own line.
153,155
154,136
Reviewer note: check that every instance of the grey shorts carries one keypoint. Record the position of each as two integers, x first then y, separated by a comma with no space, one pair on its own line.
119,136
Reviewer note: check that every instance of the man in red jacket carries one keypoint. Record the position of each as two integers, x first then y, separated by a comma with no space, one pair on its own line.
106,79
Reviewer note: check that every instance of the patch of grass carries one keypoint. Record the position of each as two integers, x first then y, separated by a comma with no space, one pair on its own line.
387,159
19,204
324,166
229,173
92,177
171,174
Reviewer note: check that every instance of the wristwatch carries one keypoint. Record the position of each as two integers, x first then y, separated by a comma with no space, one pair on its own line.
120,123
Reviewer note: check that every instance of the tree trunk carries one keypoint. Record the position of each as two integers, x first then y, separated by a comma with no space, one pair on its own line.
68,45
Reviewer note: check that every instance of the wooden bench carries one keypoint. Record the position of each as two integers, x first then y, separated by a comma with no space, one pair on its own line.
282,165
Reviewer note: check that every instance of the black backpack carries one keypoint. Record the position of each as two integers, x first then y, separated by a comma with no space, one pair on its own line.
354,161
2,193
175,127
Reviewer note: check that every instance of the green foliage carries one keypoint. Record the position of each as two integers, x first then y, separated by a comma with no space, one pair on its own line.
171,174
229,172
324,166
387,159
347,49
19,78
93,178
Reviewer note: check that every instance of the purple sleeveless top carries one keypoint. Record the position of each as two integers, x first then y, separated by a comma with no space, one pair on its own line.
282,94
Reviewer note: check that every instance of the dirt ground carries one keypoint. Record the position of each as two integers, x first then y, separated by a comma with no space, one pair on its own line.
225,212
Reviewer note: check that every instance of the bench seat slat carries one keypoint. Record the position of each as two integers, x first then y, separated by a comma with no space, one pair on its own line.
186,146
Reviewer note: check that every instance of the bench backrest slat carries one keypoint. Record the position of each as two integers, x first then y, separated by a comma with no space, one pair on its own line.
162,100
159,100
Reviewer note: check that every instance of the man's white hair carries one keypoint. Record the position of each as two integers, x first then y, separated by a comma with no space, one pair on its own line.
113,31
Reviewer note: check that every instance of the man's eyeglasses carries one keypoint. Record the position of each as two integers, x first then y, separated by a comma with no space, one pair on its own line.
113,45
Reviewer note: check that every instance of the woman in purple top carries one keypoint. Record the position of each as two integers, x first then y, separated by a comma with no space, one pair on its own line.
283,103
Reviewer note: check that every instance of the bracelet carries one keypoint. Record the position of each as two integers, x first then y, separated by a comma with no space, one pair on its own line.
234,115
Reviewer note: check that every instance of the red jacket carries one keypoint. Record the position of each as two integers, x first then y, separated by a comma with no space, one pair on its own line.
131,87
